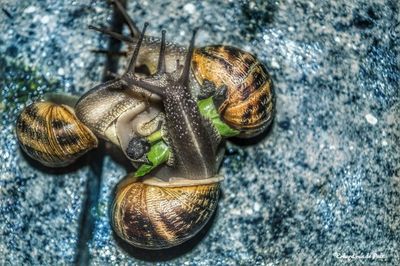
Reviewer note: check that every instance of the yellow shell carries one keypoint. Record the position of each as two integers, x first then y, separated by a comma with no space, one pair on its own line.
250,102
51,134
154,217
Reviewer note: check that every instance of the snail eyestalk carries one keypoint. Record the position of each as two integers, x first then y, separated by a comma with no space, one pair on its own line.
131,67
184,79
161,59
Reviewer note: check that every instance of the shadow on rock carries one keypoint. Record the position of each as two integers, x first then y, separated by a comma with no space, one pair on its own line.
73,167
254,140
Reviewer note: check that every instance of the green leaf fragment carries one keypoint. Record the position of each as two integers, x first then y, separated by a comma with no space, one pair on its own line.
207,109
158,154
224,129
156,136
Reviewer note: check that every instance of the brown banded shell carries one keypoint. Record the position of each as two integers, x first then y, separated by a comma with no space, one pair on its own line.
249,103
154,217
51,134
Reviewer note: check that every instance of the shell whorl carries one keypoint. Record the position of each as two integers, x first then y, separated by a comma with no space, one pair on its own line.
51,134
249,103
154,217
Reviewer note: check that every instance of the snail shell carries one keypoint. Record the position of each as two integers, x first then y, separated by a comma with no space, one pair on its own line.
248,102
51,134
157,214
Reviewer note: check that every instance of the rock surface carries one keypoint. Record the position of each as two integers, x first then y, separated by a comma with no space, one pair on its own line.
323,185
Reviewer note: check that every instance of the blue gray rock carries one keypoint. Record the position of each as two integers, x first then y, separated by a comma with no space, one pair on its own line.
323,185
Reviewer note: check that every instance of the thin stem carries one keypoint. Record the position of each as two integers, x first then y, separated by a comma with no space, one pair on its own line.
144,85
115,35
111,53
131,25
8,14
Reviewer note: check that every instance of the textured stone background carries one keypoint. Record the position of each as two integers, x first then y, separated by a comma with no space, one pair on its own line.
322,186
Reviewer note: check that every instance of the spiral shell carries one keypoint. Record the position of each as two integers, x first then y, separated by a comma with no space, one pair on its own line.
51,134
156,217
249,98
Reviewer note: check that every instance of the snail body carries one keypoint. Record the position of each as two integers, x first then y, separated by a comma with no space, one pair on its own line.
51,134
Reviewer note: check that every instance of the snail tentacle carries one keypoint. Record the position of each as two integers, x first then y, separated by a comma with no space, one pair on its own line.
161,59
158,90
184,79
131,67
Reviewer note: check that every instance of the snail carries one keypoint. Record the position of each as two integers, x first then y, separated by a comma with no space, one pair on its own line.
241,87
50,133
170,205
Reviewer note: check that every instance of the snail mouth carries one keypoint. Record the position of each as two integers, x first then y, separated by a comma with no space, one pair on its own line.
135,124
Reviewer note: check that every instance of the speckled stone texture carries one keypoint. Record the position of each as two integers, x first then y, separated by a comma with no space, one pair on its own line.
321,186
